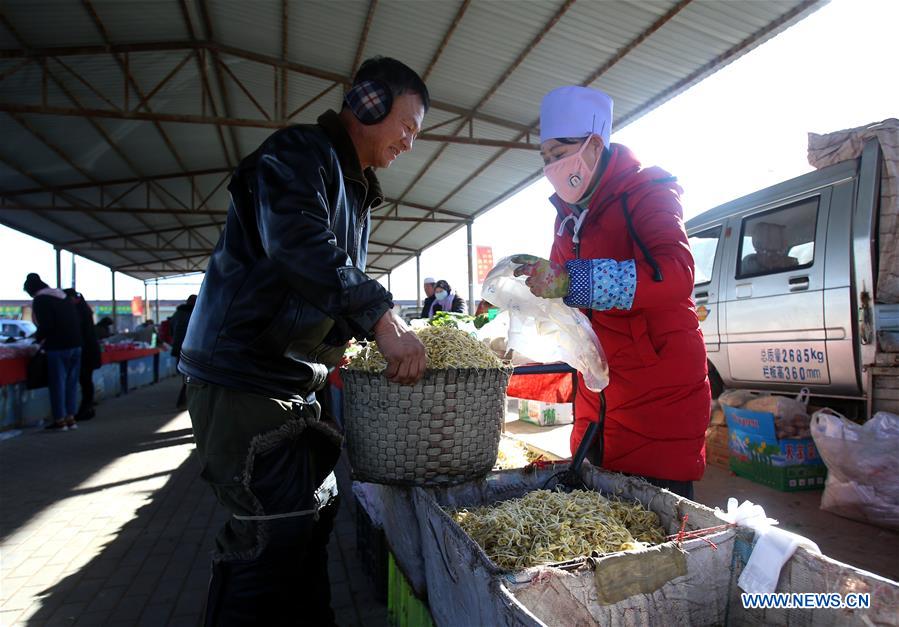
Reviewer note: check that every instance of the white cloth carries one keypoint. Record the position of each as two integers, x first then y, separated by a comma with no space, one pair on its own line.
772,549
773,546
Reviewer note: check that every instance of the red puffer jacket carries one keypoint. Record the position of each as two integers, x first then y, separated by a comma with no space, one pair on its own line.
658,395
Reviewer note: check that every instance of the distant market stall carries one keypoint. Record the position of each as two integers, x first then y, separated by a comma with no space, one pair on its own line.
125,367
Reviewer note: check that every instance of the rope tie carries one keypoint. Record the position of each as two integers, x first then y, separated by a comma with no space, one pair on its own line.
305,512
562,224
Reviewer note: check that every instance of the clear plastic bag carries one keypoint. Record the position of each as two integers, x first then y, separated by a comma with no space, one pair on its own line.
791,419
862,466
546,330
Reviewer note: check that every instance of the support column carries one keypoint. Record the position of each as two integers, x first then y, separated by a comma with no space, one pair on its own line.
58,268
73,272
418,281
471,305
389,288
146,303
157,300
115,315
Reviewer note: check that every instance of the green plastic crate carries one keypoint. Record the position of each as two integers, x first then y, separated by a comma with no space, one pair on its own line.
404,609
783,478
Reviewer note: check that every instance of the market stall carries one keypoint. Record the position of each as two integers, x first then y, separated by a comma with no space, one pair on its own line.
125,366
544,542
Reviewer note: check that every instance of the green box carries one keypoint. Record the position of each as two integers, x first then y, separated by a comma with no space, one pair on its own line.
404,609
783,478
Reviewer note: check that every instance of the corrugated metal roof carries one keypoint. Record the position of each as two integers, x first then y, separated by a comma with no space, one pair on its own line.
141,187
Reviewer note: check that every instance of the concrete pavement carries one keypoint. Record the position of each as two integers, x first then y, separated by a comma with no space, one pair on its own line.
111,525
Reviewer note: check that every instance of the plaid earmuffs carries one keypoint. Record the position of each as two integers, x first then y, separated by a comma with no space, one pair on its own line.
370,101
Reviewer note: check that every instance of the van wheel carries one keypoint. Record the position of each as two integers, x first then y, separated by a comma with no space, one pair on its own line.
715,382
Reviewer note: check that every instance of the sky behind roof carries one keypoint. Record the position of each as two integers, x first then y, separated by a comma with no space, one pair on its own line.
740,130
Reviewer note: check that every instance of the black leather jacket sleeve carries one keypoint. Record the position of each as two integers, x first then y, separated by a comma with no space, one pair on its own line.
294,181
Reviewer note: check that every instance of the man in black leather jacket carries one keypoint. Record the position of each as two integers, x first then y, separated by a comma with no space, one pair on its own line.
284,291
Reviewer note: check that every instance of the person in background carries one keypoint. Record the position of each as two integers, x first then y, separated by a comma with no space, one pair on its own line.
165,331
90,354
104,328
769,242
145,332
179,322
59,333
428,286
445,299
284,291
621,255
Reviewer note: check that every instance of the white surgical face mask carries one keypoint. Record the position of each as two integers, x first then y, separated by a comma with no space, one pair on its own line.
439,294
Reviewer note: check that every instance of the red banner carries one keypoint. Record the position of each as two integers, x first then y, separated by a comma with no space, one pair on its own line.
485,261
137,306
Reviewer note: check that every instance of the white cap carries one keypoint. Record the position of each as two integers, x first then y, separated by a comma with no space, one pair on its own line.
429,279
575,111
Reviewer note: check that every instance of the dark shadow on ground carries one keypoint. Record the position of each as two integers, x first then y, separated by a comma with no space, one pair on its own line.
155,568
154,572
68,459
149,446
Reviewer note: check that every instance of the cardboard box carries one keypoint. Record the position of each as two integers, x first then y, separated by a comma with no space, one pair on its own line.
756,453
717,448
717,417
545,414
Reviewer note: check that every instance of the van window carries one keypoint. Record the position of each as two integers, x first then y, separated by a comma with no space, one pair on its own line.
704,246
780,240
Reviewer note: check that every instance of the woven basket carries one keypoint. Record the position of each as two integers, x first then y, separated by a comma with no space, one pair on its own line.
443,430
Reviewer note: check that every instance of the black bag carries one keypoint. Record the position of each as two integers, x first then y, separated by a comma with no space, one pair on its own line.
37,373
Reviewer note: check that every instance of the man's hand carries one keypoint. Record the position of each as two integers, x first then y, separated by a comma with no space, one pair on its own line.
546,278
404,352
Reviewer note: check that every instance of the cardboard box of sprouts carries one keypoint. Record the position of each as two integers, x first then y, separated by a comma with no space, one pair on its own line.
443,430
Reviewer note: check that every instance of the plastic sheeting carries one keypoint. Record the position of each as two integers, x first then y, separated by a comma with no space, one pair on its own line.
862,466
825,150
546,330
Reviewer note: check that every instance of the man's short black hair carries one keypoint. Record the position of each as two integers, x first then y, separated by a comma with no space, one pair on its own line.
397,76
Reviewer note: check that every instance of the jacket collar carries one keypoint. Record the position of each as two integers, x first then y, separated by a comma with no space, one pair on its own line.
330,122
50,291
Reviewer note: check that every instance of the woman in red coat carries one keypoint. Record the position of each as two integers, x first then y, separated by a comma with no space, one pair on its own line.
621,255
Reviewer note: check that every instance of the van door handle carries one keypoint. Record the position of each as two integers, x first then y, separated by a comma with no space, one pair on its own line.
744,290
798,283
701,297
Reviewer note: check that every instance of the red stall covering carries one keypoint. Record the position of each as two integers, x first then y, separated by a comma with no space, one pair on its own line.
549,388
112,356
14,370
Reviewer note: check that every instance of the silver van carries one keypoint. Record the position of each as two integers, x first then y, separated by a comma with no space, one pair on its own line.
786,293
